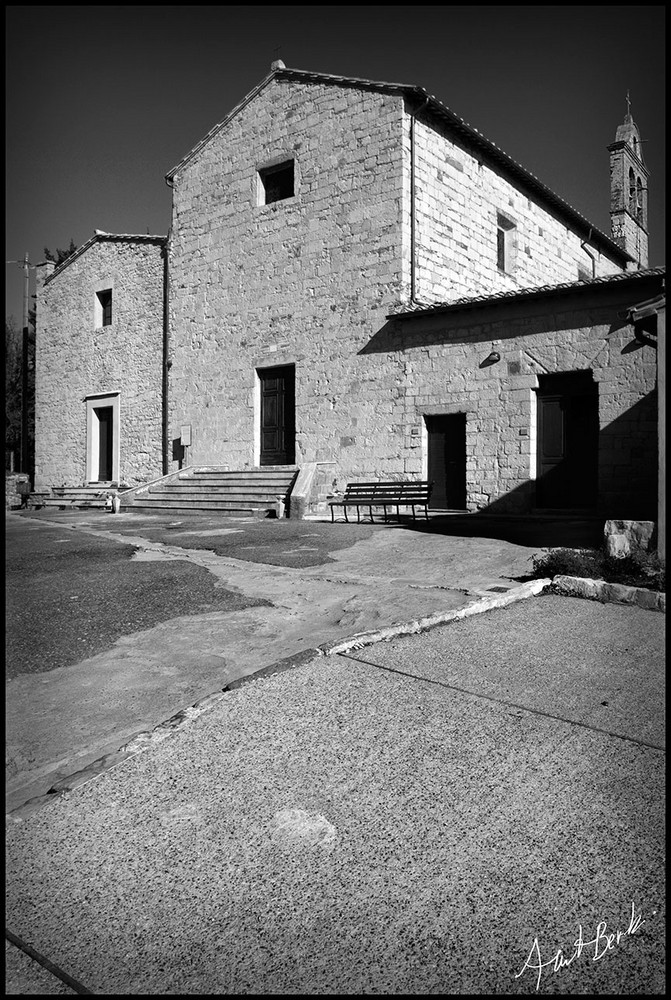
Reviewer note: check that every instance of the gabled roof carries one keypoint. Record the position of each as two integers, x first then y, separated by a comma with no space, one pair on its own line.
431,107
610,280
99,237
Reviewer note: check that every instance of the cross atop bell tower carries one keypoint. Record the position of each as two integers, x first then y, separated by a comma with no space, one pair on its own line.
629,190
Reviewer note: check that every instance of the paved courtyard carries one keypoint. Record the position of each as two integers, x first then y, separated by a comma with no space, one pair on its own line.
443,813
477,808
116,623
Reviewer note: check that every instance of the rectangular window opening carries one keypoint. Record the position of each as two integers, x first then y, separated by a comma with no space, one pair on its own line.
505,243
277,183
104,310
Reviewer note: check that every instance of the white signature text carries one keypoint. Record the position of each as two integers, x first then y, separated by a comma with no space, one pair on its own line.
595,948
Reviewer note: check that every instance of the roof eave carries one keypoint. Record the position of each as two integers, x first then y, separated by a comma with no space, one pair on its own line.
103,238
452,120
523,294
222,124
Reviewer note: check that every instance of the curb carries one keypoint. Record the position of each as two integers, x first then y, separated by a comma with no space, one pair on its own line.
571,586
609,593
361,639
279,667
567,585
143,740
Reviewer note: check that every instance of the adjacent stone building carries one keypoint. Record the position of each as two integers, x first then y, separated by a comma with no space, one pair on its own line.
359,280
99,369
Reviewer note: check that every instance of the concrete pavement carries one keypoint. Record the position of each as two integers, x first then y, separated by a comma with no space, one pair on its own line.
441,813
357,579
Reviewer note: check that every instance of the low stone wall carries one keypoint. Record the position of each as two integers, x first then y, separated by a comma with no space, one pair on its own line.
13,482
311,489
609,593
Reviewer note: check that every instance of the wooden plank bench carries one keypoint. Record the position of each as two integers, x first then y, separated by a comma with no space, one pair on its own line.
386,495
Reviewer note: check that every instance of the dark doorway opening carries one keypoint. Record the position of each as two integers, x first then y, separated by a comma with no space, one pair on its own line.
447,460
105,415
568,441
278,415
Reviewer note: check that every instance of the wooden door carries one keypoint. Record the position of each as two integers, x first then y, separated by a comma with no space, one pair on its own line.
278,420
568,441
447,460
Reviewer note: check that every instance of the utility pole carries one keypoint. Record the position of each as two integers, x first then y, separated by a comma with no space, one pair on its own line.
25,451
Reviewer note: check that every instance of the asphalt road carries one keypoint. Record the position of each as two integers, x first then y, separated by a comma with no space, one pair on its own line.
70,595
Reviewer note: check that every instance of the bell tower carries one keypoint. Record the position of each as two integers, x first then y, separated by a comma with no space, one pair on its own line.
629,191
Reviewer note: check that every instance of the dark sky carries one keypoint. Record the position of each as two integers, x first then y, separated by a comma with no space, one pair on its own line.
103,101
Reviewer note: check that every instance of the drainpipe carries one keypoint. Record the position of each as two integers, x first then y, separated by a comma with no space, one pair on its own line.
589,252
413,200
167,363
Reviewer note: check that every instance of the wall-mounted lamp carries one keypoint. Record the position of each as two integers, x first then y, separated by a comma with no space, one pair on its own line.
491,359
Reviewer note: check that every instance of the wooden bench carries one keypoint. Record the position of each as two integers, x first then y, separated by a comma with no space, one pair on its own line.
386,495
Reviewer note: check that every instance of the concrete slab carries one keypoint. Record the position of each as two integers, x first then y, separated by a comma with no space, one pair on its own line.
550,665
351,828
25,976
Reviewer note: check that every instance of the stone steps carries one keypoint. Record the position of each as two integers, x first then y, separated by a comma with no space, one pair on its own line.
65,502
250,493
205,507
70,497
236,493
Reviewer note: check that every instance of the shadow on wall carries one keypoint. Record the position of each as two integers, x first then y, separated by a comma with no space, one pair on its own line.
623,486
628,460
609,471
505,321
617,480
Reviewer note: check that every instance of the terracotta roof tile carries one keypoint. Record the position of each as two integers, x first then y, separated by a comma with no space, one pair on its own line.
426,309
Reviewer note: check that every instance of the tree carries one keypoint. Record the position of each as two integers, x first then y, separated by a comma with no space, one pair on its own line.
14,351
14,379
13,364
60,255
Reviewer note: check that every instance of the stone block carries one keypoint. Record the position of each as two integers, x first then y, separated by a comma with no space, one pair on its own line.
627,538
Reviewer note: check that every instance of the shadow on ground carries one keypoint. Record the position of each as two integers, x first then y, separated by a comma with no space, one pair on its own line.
297,544
535,532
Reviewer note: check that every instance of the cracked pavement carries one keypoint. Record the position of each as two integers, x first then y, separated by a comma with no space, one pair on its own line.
62,720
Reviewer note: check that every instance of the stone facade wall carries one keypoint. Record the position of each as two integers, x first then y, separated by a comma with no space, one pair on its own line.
74,359
440,359
306,281
309,280
458,200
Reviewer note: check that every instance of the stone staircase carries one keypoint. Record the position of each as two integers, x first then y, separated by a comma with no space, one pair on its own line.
73,498
246,493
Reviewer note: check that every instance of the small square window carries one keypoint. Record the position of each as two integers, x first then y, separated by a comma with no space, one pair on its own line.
277,182
104,308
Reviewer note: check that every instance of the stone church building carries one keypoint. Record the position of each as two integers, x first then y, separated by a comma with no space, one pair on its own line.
359,285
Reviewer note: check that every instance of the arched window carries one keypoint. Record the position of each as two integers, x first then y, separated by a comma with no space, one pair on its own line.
639,200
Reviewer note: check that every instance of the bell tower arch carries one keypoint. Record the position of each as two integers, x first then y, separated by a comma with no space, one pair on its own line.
629,191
